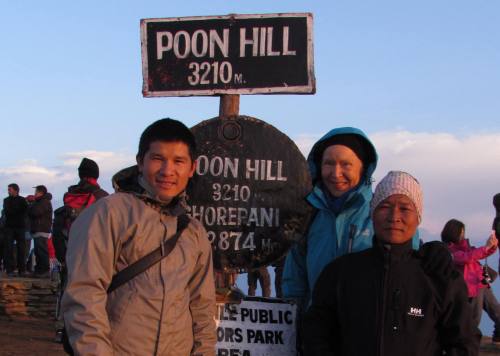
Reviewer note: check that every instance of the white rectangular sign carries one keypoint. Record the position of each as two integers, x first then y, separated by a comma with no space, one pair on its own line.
256,328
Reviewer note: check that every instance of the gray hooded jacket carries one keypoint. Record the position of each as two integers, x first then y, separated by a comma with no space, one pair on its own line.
167,310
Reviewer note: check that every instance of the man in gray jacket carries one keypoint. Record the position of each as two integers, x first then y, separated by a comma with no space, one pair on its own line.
168,309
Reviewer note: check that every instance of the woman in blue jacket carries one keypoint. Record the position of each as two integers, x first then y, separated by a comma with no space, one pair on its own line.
341,164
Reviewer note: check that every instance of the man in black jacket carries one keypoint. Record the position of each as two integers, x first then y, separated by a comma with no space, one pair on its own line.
15,208
388,300
40,216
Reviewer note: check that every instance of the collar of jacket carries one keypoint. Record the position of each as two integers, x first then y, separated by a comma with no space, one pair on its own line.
84,186
46,196
128,181
392,252
462,245
89,180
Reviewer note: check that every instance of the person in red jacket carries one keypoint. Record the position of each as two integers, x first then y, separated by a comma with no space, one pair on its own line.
466,258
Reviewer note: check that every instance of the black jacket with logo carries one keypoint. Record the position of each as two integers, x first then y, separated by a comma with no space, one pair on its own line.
381,302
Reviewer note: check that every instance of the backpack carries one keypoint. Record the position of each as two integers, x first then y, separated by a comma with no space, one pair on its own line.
74,204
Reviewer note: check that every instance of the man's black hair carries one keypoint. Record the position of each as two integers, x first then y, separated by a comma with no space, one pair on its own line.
167,130
452,231
14,186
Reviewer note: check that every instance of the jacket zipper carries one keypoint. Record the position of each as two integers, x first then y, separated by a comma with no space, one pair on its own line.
396,309
385,279
352,232
162,311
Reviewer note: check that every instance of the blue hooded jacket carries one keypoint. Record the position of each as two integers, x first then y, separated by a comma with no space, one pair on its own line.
331,234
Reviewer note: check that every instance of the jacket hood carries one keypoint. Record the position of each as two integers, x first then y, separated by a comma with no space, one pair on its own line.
314,168
462,245
127,181
395,250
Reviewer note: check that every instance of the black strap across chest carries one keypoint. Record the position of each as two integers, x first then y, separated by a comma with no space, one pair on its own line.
151,258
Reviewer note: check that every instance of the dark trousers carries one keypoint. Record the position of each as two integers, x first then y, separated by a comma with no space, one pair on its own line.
261,275
486,301
19,255
41,255
3,249
278,278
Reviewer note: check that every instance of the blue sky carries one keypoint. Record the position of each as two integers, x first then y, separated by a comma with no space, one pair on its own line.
427,66
71,85
421,78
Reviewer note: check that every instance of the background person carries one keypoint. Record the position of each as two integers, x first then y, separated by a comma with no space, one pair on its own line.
15,209
3,243
496,221
386,300
40,218
278,276
88,172
76,199
466,258
82,194
260,275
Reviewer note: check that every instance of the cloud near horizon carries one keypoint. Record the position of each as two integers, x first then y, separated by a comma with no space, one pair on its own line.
29,173
459,175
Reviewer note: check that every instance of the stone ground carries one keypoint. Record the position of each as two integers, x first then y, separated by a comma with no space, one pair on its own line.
489,349
36,337
28,337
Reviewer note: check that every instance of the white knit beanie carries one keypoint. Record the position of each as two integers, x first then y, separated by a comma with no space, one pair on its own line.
398,182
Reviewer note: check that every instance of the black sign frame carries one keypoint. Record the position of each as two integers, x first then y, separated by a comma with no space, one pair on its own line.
250,198
196,56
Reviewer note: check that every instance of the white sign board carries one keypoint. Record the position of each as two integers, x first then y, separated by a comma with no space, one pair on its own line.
256,328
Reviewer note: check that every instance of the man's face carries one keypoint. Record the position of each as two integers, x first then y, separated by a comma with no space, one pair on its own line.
12,192
167,167
38,193
341,169
395,219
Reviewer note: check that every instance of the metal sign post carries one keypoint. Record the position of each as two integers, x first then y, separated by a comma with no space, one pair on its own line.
225,282
229,105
